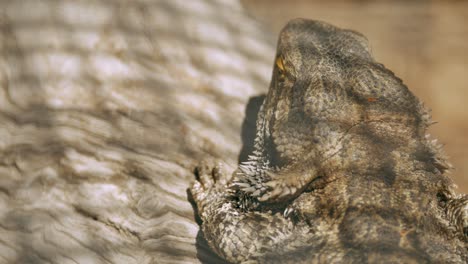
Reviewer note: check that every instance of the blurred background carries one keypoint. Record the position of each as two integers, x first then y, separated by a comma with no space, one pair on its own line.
425,43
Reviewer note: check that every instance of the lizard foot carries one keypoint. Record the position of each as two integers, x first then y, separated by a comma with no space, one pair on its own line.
210,182
280,187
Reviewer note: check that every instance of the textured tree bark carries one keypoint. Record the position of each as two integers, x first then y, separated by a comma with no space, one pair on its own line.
105,109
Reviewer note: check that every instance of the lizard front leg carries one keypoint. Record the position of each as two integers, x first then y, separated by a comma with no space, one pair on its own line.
236,235
274,186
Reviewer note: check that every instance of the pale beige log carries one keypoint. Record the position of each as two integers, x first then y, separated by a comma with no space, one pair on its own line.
105,109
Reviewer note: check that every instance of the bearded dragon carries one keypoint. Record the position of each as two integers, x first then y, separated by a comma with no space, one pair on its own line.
343,170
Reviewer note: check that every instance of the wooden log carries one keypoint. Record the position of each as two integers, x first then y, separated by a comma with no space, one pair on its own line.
105,109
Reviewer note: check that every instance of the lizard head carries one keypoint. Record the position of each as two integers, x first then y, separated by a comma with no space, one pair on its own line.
325,83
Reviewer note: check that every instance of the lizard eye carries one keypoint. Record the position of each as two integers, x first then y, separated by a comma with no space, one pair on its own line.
284,71
280,64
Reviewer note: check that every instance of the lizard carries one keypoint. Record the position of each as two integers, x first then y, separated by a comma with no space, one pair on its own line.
343,169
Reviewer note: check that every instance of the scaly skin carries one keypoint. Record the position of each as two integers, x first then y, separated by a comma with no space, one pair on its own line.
342,171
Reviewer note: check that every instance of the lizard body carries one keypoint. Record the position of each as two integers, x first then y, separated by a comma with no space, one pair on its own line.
342,169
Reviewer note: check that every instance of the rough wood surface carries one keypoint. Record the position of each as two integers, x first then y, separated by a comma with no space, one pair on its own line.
105,108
